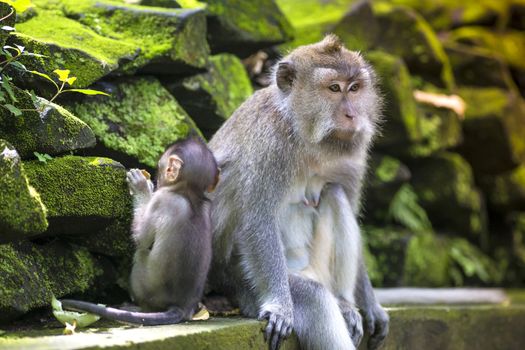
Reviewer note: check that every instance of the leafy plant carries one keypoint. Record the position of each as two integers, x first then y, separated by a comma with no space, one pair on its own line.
42,157
469,261
405,210
11,55
64,78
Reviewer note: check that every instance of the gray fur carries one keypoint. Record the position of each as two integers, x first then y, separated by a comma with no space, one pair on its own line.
293,157
173,237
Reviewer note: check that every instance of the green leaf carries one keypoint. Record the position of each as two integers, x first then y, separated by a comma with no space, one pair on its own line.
32,54
7,87
82,319
43,75
19,66
6,47
33,97
87,91
406,210
42,157
63,74
13,110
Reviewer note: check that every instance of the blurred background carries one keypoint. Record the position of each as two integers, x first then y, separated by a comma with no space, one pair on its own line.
444,201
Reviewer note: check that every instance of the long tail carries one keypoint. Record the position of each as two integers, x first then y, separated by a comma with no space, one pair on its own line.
171,316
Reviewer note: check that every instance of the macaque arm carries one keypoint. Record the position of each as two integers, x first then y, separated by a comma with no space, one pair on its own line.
375,317
141,188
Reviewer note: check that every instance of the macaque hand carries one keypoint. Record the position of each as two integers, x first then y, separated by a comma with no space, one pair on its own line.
354,323
279,327
138,183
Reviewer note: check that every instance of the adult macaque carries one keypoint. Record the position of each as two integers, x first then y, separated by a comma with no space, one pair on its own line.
172,232
287,244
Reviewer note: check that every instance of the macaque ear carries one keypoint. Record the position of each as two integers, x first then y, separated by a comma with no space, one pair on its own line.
285,75
215,182
172,170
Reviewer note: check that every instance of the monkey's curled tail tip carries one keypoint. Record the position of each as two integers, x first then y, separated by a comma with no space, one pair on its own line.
171,316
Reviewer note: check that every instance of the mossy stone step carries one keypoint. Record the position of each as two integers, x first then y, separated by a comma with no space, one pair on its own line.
419,327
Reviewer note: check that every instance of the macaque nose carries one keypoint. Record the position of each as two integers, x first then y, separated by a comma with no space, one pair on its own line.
350,116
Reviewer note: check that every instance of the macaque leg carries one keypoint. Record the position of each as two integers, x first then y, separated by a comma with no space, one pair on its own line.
319,323
337,217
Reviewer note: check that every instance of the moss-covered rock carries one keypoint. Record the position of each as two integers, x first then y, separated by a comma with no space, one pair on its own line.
43,127
388,247
508,45
67,44
312,19
80,193
171,41
401,118
137,123
210,98
405,33
494,136
473,66
444,15
359,27
505,192
113,240
243,27
30,274
440,130
427,261
386,176
445,186
22,213
400,31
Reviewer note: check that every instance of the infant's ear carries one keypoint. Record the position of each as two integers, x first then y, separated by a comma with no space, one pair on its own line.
172,170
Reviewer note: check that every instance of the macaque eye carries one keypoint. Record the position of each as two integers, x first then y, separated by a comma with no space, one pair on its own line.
354,87
335,88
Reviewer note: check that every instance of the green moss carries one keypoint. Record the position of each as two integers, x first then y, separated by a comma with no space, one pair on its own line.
79,187
164,36
445,185
508,45
140,120
30,274
68,44
506,192
482,102
493,129
248,18
211,97
312,19
388,169
22,213
427,261
402,124
405,33
387,247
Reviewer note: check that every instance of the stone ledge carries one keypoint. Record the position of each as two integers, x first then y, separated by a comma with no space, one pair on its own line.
477,327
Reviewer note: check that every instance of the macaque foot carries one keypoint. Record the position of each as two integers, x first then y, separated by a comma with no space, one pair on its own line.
279,327
138,183
377,324
354,323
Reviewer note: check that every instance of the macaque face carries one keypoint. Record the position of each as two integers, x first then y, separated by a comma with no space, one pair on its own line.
340,101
